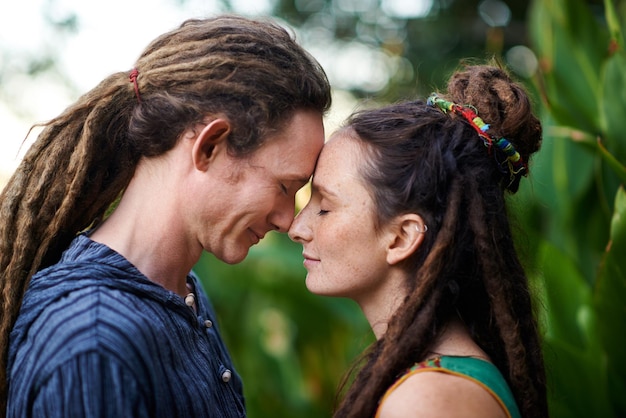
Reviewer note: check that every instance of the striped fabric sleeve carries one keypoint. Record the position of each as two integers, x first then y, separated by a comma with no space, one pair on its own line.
89,385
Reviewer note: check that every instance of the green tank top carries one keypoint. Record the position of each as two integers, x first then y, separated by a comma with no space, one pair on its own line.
479,371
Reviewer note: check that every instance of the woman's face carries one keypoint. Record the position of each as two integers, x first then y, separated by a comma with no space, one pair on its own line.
343,253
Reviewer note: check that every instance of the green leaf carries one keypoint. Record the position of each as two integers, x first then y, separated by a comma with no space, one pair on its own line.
567,298
610,304
576,381
612,20
575,365
611,107
566,38
572,165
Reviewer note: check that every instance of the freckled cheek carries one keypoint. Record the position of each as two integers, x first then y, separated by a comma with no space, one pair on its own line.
333,241
340,252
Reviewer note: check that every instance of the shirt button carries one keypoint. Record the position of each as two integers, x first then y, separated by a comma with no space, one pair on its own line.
208,323
226,375
190,299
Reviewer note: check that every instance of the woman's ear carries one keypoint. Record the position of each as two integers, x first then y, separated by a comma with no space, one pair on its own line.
407,234
213,134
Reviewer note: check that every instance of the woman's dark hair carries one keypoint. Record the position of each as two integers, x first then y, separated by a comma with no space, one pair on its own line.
422,160
250,71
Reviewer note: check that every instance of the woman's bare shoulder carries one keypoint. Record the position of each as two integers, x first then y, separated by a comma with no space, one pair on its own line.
432,394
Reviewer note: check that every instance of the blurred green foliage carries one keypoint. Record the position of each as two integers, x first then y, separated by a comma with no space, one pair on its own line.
292,347
576,208
421,42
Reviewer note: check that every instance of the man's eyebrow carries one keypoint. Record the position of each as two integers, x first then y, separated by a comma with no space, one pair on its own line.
298,179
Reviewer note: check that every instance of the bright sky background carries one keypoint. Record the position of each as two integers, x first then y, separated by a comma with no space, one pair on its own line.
111,35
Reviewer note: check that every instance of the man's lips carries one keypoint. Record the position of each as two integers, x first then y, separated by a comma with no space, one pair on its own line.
258,237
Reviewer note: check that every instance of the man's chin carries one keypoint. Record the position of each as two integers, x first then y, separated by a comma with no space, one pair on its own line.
233,257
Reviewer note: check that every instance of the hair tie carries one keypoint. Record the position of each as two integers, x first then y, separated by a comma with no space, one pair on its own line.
133,79
513,163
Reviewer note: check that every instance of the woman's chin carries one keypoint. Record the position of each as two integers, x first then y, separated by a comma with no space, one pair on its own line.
319,289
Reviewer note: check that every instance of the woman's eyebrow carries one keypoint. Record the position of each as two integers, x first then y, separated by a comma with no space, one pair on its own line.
322,189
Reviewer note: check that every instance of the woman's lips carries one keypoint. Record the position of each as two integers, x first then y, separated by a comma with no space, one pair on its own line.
309,260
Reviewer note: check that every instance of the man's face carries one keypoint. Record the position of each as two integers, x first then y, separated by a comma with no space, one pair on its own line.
247,197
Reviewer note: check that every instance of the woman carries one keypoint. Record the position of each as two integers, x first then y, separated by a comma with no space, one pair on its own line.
206,141
407,217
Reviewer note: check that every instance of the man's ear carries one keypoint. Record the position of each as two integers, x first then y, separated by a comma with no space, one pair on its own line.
213,134
407,234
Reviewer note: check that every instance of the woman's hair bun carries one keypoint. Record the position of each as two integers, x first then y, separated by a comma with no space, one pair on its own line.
500,102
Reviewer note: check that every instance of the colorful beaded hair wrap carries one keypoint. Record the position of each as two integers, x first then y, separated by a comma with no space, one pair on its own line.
511,163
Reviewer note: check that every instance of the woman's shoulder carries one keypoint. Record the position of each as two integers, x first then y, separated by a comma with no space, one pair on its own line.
427,392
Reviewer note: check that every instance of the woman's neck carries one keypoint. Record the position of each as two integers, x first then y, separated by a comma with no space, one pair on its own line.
455,340
380,304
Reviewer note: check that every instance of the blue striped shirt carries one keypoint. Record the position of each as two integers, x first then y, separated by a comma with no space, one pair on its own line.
96,338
